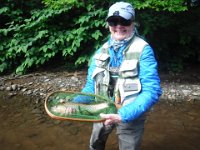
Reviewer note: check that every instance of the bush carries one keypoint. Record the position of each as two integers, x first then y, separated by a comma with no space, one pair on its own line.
33,33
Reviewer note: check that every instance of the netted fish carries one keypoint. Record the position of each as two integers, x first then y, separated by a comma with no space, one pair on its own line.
83,109
61,105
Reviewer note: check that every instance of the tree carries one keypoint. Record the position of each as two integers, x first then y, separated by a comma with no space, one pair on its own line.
33,33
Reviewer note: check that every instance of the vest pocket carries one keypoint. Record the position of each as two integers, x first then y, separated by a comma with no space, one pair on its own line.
129,68
129,88
101,77
101,59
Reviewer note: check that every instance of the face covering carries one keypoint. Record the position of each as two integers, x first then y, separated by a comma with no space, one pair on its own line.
117,44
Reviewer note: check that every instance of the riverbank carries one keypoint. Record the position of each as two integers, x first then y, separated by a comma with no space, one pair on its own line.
176,87
25,123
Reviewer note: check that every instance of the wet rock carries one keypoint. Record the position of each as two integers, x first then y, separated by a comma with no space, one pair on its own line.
63,89
74,79
62,85
196,93
42,84
193,98
46,80
8,88
49,87
24,89
29,92
11,94
14,87
19,87
186,92
35,90
30,83
42,94
2,88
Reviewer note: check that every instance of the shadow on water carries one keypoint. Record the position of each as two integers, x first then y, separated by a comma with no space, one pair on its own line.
25,126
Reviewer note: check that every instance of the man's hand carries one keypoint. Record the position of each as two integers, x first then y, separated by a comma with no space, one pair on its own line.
111,118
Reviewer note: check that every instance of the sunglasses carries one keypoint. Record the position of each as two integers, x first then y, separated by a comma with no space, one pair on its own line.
119,21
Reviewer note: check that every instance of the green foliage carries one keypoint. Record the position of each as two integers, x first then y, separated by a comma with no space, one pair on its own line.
32,33
56,4
161,5
174,37
33,41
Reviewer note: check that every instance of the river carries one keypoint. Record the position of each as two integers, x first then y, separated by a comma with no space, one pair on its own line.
26,126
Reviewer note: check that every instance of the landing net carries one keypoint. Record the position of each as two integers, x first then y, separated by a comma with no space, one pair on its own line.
63,105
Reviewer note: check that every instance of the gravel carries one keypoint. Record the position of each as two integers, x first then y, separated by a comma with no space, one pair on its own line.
40,84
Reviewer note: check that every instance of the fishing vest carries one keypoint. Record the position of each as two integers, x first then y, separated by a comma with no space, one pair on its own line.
128,85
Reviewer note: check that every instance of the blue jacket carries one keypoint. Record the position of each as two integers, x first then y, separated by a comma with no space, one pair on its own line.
148,76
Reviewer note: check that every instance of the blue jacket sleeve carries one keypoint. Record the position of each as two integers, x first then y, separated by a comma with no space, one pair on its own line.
151,89
89,86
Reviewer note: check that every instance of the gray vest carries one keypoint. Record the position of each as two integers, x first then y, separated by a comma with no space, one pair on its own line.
128,85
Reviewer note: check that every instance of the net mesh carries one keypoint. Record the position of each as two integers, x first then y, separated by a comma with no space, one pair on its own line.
58,104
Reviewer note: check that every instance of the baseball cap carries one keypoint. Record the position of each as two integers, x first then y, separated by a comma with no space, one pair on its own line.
122,9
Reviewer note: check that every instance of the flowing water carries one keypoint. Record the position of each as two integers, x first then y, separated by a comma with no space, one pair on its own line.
24,125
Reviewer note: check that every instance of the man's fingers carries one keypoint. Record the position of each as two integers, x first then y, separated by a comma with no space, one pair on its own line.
111,118
105,116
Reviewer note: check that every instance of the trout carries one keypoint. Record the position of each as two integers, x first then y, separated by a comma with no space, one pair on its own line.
70,108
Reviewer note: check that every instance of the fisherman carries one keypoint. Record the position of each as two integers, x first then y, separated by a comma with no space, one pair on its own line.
125,70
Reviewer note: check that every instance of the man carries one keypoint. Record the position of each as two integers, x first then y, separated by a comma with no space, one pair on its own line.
125,70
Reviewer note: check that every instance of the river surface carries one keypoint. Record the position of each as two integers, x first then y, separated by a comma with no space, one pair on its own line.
24,125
